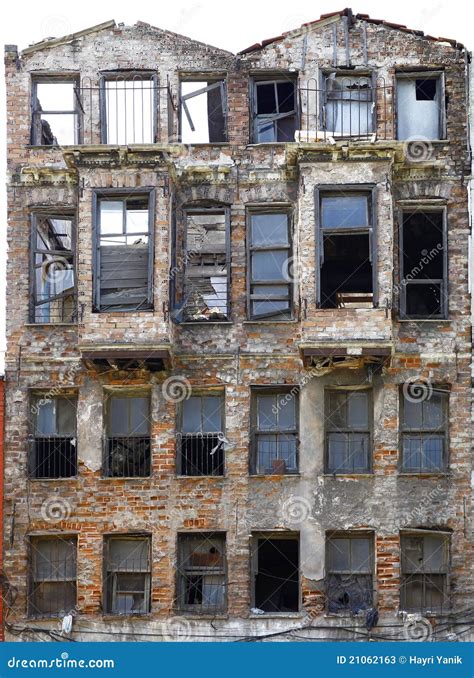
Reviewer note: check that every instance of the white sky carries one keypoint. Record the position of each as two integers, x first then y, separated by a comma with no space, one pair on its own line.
227,24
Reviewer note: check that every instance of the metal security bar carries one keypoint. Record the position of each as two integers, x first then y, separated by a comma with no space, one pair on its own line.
200,454
53,457
342,107
127,457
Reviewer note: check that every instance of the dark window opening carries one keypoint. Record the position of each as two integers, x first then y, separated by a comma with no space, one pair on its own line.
423,265
124,254
55,112
424,572
204,258
201,573
274,432
275,116
53,452
52,577
129,103
425,89
349,579
201,442
349,105
348,431
127,443
424,432
270,266
127,575
53,286
203,112
276,574
420,106
346,271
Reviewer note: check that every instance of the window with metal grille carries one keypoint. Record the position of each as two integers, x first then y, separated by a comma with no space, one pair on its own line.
270,265
53,285
202,573
275,569
424,572
349,105
274,110
123,260
348,420
127,443
349,572
129,104
53,444
423,263
275,431
56,110
424,431
345,247
127,577
201,441
52,576
203,111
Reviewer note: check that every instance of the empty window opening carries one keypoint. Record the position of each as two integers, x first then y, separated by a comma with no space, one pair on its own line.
349,109
274,115
423,291
129,109
127,443
124,254
275,432
203,112
201,573
420,106
201,442
270,266
276,573
424,572
346,271
52,576
349,567
348,431
205,261
53,444
424,432
55,112
53,293
127,575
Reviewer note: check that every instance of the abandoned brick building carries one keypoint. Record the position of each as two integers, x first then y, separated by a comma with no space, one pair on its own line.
239,341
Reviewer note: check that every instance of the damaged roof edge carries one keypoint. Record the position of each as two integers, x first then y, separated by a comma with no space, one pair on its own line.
335,16
52,42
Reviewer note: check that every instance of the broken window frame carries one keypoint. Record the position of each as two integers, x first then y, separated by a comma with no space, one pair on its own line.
138,443
35,582
184,573
214,81
438,75
327,96
254,550
346,190
128,76
63,442
328,430
122,195
352,572
214,439
36,113
426,432
111,576
279,393
424,208
57,256
181,258
285,314
275,79
423,573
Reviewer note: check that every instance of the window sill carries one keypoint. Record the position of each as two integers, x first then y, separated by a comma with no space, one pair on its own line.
191,323
202,615
135,478
49,480
424,320
278,615
180,477
367,474
270,321
50,324
296,474
99,311
114,616
423,474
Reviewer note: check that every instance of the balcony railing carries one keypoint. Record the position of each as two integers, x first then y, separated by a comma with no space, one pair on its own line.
127,457
200,454
53,457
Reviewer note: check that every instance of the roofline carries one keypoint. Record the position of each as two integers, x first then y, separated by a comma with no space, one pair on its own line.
181,35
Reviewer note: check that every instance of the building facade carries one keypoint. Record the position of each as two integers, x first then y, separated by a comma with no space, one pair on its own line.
238,381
